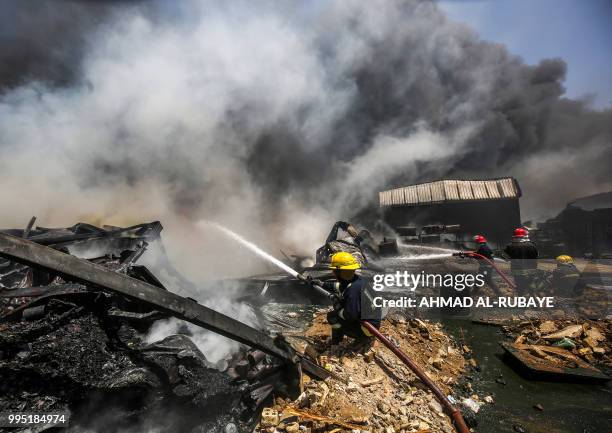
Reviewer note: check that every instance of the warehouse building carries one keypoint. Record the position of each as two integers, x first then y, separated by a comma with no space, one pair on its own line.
489,207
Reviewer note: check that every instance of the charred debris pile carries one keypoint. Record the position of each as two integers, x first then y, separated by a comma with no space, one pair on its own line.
71,340
561,349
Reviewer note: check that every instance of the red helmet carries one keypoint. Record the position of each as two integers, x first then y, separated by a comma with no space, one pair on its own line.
520,232
480,239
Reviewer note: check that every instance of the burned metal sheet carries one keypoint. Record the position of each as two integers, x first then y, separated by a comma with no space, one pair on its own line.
73,268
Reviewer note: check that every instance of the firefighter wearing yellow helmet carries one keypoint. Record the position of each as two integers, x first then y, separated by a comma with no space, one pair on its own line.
351,301
565,277
564,259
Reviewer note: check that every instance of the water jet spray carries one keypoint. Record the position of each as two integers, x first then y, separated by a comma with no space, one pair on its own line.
453,412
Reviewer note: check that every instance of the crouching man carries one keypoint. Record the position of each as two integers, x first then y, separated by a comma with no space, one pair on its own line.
565,277
353,303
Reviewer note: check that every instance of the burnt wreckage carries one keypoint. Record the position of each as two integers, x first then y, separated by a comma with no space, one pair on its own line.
75,304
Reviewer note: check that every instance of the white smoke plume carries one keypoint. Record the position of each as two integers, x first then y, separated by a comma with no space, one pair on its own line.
272,119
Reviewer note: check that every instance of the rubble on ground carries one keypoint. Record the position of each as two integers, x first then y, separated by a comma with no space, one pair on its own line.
70,346
373,391
590,340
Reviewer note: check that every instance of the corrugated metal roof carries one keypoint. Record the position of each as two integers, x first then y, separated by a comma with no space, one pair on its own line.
451,190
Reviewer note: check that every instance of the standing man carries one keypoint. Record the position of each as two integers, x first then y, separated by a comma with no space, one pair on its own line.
353,302
523,261
485,267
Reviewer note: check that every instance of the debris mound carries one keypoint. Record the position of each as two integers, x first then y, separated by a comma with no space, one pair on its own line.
565,342
67,345
371,391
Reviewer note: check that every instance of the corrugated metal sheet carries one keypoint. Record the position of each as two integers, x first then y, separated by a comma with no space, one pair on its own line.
437,192
507,187
451,190
424,193
465,190
397,196
492,190
383,198
411,195
479,189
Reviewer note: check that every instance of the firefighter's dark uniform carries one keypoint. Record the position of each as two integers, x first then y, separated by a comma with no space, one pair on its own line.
523,264
485,268
353,305
565,280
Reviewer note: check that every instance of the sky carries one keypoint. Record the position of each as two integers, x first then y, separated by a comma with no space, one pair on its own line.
579,31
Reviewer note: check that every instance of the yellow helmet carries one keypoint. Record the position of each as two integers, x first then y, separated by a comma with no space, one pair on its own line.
564,259
344,260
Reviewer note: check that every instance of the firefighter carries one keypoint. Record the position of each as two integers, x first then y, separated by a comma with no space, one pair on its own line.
485,267
523,261
352,302
354,242
565,277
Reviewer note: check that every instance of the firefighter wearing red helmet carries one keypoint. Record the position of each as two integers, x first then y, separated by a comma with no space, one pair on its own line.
523,261
484,267
521,233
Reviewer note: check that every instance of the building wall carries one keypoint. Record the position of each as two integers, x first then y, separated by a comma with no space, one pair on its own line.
580,231
586,231
496,219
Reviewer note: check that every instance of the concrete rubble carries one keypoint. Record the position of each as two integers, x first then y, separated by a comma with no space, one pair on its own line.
374,391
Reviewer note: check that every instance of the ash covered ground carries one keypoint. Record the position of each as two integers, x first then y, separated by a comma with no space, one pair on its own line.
68,346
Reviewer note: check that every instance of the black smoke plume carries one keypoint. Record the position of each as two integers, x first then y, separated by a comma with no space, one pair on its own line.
276,119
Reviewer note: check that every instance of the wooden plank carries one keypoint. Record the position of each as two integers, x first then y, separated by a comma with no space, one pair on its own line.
545,368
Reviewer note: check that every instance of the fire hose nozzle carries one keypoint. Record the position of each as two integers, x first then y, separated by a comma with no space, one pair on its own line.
315,284
459,254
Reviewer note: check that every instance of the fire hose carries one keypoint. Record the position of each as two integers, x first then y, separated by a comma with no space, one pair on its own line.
489,261
453,412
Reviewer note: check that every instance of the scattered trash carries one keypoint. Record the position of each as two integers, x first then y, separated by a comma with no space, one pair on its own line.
471,404
572,331
566,343
549,362
577,350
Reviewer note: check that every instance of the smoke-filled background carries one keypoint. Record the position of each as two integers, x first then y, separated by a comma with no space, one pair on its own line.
273,118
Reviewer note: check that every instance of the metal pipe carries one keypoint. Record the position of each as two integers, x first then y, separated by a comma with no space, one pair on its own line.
453,412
